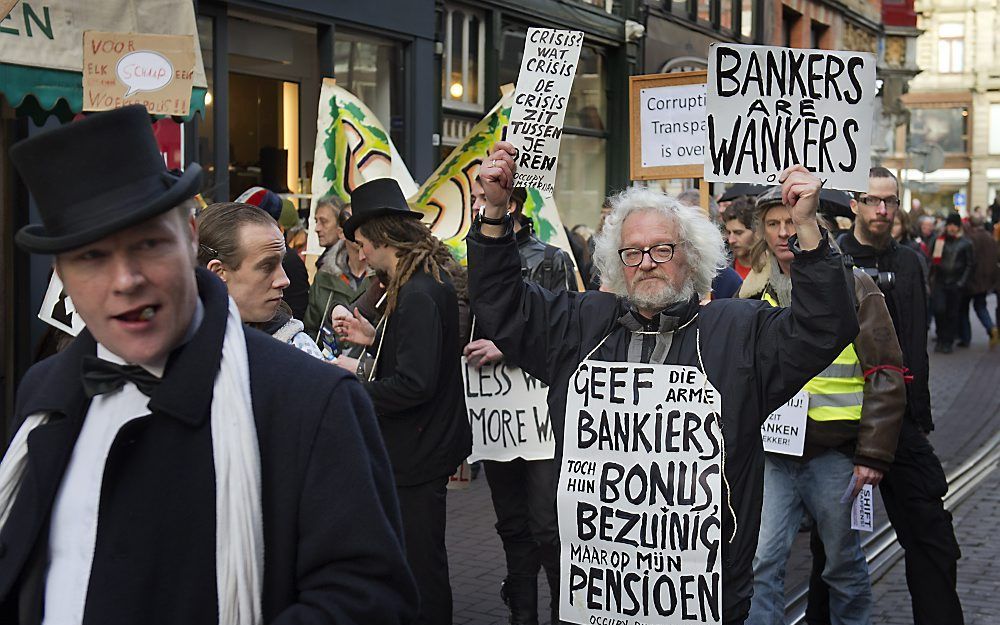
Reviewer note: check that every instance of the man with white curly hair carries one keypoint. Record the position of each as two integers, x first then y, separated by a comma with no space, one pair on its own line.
657,257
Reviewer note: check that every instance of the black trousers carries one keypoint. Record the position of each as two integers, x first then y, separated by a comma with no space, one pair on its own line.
524,498
912,491
423,510
947,303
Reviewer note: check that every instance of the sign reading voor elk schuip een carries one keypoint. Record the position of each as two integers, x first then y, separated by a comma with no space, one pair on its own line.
770,108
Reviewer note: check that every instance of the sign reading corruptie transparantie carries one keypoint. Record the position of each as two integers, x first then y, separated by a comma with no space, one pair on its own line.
769,108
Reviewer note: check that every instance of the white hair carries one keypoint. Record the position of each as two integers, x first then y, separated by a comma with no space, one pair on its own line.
700,238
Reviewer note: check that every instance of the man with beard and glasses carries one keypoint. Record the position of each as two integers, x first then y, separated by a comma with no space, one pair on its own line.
657,257
915,483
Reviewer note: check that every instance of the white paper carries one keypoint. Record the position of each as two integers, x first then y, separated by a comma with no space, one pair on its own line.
540,99
673,122
57,308
640,496
770,107
863,510
508,413
784,432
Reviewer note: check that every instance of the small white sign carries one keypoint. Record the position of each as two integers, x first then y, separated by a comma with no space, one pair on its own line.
863,510
58,310
673,121
536,119
784,432
508,412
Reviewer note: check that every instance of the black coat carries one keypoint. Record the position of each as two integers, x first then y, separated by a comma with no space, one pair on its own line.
756,356
418,391
296,294
907,304
332,536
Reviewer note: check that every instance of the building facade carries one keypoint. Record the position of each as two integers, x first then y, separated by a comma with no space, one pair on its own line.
954,108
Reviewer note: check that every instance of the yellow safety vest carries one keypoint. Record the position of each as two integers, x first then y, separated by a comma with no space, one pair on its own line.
836,394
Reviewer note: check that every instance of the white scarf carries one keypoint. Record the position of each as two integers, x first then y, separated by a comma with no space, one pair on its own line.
239,532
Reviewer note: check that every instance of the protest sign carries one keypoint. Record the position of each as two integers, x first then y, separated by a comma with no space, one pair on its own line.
784,432
640,496
548,68
120,69
667,124
863,510
770,107
508,413
58,310
352,147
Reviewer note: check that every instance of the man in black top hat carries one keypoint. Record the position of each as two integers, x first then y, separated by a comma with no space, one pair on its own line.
415,381
148,482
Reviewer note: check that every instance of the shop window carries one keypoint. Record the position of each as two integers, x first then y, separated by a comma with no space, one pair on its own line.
463,60
704,10
951,48
747,12
726,15
607,5
789,27
581,179
372,70
994,128
681,8
945,127
817,31
263,133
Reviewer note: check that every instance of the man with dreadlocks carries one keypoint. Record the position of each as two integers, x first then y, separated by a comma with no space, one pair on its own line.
415,381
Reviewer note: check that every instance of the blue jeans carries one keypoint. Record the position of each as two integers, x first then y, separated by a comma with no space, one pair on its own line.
790,488
978,302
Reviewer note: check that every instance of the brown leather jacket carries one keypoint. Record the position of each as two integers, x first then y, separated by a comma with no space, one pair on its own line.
872,440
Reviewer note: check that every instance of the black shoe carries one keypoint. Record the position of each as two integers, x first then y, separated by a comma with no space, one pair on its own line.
962,344
520,594
947,349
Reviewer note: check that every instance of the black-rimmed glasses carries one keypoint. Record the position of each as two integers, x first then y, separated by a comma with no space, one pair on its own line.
874,201
660,253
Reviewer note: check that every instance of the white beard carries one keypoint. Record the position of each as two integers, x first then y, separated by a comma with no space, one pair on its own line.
663,298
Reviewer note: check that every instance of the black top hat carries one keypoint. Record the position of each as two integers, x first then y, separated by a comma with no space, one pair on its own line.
95,177
380,197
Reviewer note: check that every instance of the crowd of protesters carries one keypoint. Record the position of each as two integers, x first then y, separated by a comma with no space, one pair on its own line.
334,503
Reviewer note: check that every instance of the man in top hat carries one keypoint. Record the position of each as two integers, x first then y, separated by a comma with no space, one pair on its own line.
415,381
148,482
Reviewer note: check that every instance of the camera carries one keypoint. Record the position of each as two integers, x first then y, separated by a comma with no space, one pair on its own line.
884,280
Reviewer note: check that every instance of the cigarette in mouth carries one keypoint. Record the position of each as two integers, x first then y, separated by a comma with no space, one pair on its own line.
147,313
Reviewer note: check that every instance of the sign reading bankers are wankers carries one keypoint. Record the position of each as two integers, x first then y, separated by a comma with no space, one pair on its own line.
640,496
769,108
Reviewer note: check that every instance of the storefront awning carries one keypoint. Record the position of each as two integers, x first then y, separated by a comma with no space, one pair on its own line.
41,48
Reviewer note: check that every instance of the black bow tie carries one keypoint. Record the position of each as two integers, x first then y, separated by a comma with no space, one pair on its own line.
101,376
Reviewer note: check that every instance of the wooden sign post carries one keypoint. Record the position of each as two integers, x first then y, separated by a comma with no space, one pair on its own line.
667,125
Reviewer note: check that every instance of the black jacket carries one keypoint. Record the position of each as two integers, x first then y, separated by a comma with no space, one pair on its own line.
332,535
755,355
957,264
296,294
418,390
544,264
907,303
